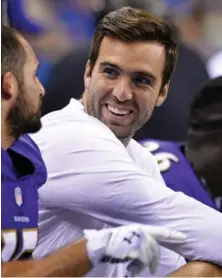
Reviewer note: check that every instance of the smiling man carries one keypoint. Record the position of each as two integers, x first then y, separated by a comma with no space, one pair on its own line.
97,174
126,88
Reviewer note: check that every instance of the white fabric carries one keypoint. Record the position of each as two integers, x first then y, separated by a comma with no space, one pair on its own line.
136,244
214,65
93,180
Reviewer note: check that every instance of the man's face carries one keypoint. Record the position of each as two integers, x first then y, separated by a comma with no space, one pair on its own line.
211,166
206,160
25,114
125,84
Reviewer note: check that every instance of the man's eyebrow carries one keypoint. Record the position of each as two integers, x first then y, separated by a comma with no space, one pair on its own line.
103,64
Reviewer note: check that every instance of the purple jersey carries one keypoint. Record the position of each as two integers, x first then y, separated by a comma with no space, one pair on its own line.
23,172
177,171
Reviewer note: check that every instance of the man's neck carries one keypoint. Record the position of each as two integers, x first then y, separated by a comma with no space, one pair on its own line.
6,139
125,141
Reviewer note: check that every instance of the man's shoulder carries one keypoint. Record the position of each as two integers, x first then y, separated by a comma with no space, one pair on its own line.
143,158
71,129
26,148
24,144
72,112
138,151
71,117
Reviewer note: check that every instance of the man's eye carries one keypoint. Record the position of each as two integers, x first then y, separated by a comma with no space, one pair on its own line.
110,72
142,80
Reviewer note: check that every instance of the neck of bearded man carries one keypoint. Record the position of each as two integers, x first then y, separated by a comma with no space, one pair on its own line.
6,138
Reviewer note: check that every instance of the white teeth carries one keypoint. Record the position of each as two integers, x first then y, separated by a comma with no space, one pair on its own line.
118,111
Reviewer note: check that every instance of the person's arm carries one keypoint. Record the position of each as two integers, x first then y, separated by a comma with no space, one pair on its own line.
71,261
136,244
98,177
198,269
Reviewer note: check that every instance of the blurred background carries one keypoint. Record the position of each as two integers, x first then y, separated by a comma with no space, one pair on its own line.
60,32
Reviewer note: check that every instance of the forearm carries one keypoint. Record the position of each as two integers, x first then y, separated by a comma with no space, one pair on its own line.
198,269
71,261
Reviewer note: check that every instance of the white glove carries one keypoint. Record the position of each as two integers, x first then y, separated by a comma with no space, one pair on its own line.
135,243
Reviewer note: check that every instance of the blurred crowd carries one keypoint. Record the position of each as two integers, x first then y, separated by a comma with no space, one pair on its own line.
60,32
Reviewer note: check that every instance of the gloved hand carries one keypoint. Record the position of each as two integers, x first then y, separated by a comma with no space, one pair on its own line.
136,243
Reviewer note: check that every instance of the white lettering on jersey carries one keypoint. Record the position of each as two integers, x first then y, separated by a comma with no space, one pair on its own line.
163,158
21,219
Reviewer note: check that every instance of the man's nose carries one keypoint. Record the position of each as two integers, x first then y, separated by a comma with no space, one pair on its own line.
122,90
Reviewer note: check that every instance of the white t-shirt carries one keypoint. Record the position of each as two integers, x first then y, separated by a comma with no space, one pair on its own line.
94,181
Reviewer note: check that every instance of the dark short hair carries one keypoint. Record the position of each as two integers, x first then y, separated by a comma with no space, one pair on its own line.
205,117
130,24
204,140
13,53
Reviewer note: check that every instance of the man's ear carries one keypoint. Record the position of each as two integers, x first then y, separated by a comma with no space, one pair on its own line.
9,86
163,95
87,75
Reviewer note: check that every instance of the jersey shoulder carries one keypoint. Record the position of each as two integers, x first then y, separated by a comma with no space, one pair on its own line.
28,149
176,170
173,165
167,154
